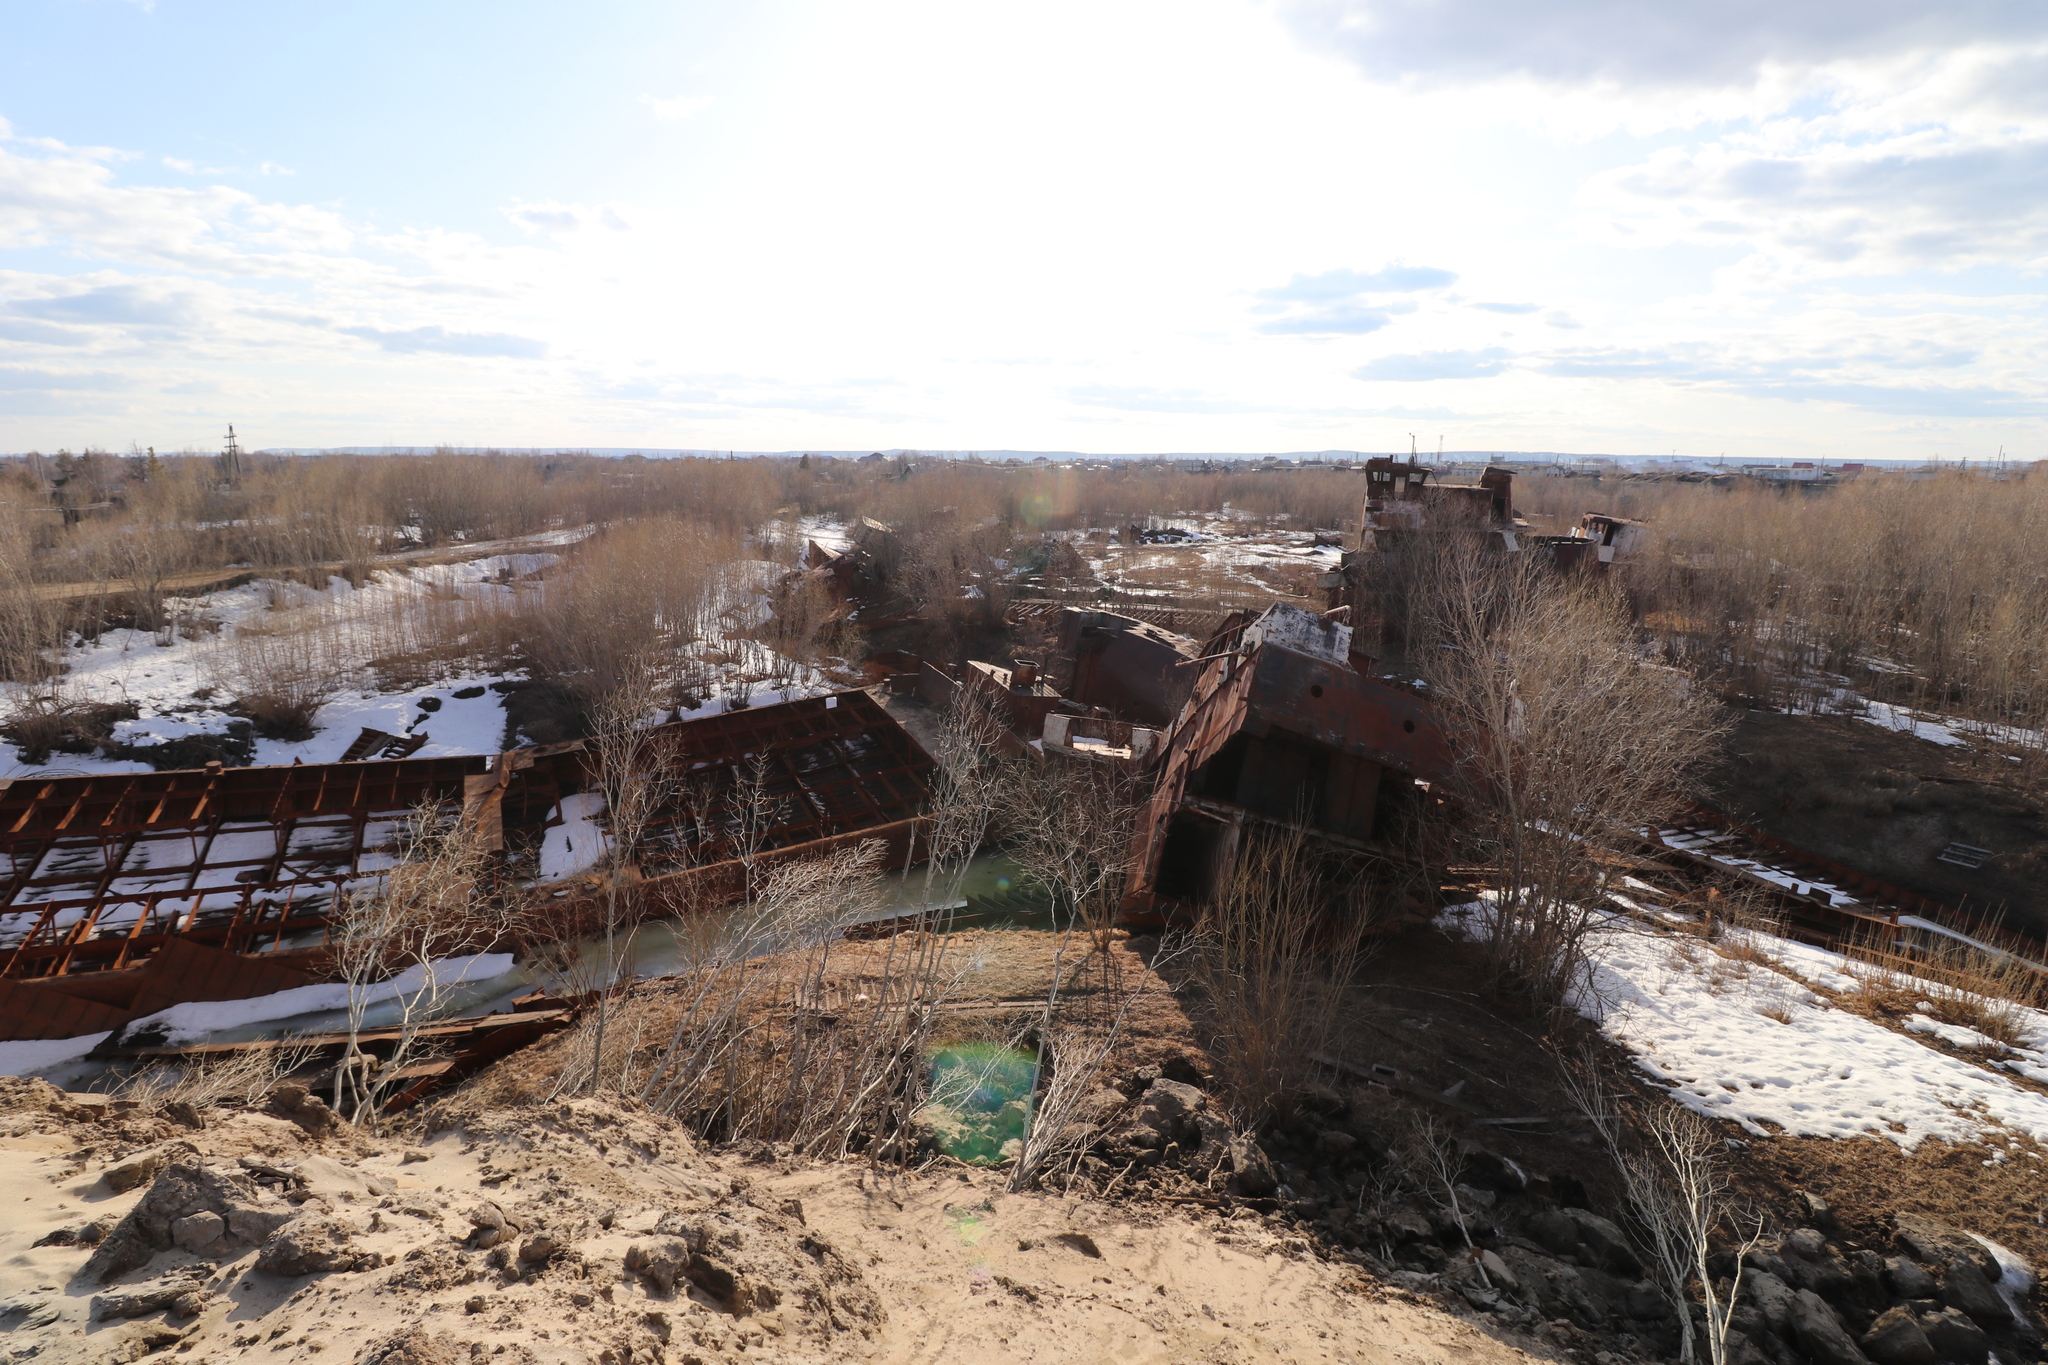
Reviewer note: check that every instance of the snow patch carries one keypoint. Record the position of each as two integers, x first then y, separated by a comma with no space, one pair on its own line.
578,842
33,1056
1744,1041
196,1021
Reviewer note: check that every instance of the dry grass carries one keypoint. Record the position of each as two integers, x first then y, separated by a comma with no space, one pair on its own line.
242,1078
1997,995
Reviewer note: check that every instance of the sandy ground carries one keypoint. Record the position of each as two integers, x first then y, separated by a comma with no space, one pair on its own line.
839,1264
971,1273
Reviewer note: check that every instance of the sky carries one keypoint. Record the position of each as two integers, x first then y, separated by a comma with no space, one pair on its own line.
1757,229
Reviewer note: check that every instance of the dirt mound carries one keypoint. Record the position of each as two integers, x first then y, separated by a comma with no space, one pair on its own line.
574,1231
206,1211
594,1231
754,1262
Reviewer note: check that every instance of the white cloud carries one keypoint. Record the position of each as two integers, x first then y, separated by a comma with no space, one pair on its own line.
1626,44
1918,201
1435,365
561,219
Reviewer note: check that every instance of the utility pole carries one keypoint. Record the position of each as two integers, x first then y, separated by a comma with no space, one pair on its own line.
231,458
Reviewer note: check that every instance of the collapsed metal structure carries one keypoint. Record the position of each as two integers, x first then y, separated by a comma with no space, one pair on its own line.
110,881
1285,726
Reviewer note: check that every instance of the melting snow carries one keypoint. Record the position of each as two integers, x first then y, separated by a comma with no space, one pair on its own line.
195,1022
1740,1041
1715,1036
576,843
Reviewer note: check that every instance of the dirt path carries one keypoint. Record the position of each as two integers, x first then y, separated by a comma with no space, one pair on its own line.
211,580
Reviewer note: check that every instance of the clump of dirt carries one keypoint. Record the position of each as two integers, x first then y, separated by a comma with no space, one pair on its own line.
41,729
235,747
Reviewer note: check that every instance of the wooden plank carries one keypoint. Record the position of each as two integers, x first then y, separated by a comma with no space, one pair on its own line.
448,1029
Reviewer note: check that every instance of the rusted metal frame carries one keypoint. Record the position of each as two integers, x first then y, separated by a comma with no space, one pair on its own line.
77,804
201,847
23,871
235,924
262,923
280,809
65,950
27,807
807,783
110,869
1212,714
846,778
821,785
81,932
281,831
1230,810
163,799
144,918
20,952
656,898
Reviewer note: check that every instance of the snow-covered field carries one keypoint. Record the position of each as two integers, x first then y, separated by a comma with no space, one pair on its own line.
176,683
180,684
1219,555
1761,1043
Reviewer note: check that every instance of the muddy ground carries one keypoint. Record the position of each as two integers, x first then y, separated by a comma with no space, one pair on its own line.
1886,803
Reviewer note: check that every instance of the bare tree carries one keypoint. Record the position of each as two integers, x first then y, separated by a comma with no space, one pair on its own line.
637,785
1680,1195
1436,1154
1569,743
1070,824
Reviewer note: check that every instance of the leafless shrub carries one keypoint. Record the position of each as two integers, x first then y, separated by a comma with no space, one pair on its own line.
1435,1152
439,901
1069,823
762,1049
1272,960
29,622
636,785
765,1043
282,671
629,602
